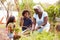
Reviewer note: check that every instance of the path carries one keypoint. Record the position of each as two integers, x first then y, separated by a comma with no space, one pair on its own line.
3,35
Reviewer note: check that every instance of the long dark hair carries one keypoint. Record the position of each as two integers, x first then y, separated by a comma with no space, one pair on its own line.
10,20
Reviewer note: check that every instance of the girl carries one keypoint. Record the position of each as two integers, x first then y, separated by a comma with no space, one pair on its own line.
25,21
10,26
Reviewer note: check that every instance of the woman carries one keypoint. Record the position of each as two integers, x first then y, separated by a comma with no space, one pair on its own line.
25,20
40,19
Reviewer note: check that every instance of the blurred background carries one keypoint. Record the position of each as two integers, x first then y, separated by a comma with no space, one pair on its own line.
15,7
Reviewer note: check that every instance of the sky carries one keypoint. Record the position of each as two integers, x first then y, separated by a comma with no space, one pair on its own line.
37,1
45,1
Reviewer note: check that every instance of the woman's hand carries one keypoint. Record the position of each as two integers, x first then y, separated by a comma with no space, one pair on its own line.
37,28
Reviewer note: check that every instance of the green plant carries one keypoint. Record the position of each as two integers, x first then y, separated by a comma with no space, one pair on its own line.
40,36
16,30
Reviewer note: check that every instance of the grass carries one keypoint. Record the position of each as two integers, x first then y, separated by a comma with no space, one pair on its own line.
2,25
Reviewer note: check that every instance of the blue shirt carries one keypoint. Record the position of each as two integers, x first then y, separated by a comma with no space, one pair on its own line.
27,23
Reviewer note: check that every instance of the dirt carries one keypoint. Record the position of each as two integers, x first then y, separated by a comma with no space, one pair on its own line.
3,34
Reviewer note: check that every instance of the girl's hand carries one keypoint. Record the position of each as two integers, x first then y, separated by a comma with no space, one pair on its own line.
33,29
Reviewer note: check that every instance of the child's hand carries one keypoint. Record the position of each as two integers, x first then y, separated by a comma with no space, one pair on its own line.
33,29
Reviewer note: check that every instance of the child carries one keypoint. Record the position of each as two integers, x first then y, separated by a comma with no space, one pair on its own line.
11,19
25,21
58,28
10,26
10,31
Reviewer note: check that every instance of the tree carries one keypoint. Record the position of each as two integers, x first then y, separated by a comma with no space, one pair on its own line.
27,4
6,8
58,5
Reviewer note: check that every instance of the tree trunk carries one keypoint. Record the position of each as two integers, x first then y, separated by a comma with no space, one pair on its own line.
6,10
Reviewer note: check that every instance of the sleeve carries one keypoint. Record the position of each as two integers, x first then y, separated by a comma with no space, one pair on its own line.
34,16
45,14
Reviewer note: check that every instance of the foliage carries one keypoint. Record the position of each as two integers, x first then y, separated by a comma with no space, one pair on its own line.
53,11
16,30
50,10
41,36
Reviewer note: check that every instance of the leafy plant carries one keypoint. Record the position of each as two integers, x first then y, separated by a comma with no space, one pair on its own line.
40,36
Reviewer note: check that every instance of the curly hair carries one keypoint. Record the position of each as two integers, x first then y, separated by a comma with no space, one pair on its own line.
24,12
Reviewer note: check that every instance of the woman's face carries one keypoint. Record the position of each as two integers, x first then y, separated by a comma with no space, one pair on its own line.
26,15
37,11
